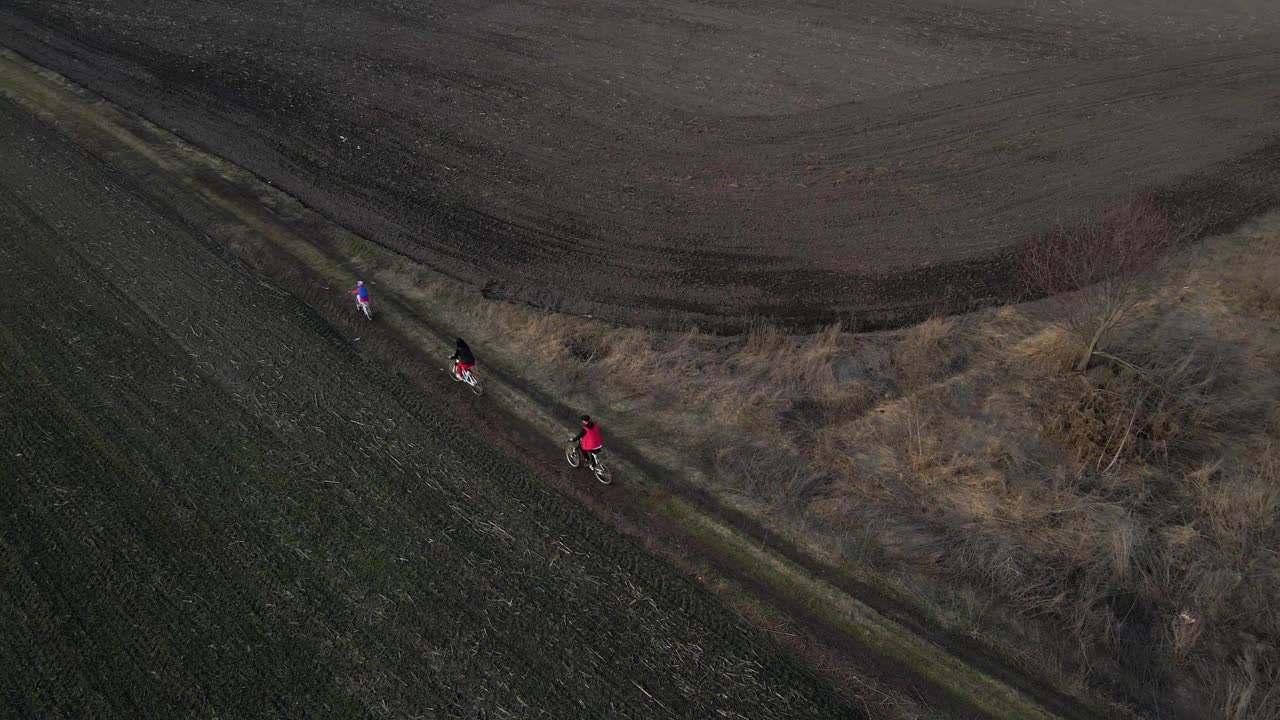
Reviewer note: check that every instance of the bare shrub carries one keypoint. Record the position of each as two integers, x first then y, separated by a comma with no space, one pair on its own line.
1112,262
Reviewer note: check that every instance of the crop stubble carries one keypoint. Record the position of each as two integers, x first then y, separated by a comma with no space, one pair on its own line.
701,160
215,504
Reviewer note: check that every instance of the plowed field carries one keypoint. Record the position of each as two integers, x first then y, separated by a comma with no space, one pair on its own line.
706,160
212,506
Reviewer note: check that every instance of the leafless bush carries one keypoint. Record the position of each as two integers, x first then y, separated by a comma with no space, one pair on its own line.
1112,262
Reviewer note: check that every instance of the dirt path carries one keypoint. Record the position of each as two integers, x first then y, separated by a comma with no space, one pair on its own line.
215,505
701,160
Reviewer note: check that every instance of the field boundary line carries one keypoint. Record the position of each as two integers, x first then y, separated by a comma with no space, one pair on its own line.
267,214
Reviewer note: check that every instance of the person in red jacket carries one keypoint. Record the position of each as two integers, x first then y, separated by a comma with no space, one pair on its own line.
589,440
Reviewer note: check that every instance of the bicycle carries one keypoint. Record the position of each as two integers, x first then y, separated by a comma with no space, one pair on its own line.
365,307
467,376
574,455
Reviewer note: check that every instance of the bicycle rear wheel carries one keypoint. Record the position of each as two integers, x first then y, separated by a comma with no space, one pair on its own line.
474,382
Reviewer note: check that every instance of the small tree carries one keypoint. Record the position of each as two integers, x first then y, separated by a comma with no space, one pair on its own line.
1111,261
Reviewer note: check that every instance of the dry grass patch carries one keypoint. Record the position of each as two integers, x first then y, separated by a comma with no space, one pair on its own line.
1257,285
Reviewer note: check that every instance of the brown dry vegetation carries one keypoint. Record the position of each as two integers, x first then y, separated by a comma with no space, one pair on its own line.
1114,528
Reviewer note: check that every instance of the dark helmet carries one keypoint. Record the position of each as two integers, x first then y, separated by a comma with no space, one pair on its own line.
586,419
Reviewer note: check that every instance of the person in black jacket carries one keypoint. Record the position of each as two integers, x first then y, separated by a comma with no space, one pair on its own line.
463,358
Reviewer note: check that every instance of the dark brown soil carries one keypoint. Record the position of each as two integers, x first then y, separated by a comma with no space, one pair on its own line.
709,161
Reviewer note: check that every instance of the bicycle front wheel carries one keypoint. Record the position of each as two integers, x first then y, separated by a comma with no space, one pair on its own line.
571,454
603,473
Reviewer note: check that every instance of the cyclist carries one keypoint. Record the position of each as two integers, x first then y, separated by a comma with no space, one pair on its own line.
589,440
361,292
463,358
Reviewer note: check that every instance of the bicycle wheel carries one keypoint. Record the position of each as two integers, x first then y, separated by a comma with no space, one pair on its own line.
474,382
603,473
368,311
571,454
